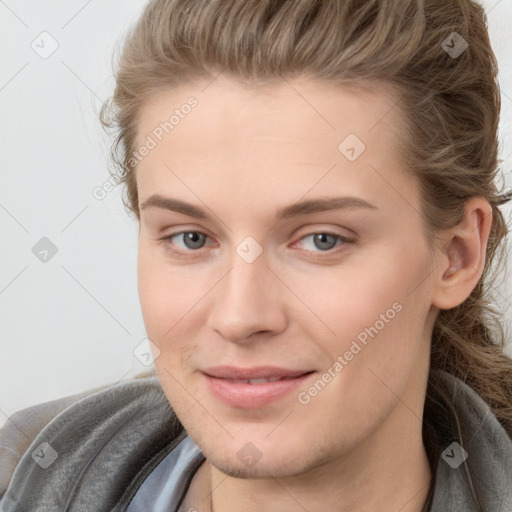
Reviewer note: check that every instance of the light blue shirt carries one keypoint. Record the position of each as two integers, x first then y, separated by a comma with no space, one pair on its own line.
165,488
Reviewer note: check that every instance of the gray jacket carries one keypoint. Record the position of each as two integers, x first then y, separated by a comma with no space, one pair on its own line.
91,452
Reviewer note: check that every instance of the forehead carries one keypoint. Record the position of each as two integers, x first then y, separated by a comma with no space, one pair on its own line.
274,110
284,135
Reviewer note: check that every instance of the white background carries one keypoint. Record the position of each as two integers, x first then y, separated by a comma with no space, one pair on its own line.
72,323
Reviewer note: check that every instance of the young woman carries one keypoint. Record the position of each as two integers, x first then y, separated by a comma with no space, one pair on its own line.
315,186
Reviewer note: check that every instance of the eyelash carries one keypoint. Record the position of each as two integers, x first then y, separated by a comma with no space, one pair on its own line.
330,252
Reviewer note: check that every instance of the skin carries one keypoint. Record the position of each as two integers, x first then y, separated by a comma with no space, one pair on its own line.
242,154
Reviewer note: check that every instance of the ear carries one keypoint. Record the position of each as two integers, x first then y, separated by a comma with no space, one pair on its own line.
461,256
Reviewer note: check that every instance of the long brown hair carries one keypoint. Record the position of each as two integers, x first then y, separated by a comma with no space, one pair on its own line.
450,102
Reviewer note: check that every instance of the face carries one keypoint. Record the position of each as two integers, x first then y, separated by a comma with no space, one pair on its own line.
257,272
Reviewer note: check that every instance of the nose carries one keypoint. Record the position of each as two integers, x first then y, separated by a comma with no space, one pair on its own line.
248,302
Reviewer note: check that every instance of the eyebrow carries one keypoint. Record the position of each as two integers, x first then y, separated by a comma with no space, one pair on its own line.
294,210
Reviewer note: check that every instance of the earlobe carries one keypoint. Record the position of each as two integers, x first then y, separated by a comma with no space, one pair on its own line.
461,261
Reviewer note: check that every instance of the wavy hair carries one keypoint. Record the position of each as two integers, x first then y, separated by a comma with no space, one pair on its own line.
450,104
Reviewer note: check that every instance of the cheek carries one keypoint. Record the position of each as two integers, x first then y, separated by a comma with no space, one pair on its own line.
158,295
381,307
164,291
170,304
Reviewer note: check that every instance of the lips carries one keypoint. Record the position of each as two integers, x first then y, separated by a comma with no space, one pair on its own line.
259,372
253,388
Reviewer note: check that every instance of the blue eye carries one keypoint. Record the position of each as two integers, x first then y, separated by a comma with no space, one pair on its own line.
324,241
193,241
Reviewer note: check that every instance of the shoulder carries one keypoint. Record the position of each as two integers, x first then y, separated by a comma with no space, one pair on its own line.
83,437
22,428
475,451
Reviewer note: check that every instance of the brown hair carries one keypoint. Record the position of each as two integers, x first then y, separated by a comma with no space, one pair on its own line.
451,104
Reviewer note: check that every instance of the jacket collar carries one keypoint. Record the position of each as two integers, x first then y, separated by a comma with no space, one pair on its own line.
478,456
